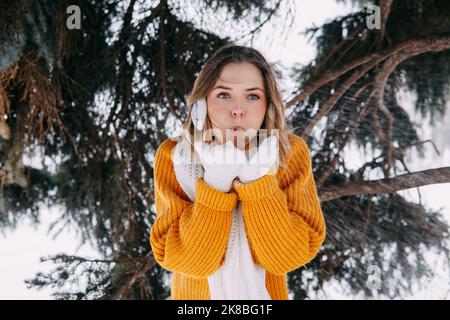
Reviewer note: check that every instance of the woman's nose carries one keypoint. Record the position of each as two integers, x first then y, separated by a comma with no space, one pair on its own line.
237,113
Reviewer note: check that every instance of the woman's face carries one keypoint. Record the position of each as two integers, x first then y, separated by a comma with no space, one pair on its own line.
238,99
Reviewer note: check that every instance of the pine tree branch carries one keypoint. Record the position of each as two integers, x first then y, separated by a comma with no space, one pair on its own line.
387,185
253,32
381,80
412,49
331,101
378,56
353,126
146,265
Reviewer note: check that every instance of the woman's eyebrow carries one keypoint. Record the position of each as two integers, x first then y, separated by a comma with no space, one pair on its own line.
248,89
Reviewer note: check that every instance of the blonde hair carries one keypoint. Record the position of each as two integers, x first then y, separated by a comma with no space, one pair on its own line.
210,73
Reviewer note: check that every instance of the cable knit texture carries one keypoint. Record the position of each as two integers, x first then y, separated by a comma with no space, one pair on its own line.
284,223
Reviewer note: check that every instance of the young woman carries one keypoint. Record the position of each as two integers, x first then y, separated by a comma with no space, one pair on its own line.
232,227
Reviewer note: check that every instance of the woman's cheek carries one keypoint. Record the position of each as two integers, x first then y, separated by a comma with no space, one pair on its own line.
214,113
217,115
260,114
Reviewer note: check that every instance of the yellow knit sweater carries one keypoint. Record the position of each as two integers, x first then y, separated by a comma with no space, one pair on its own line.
284,223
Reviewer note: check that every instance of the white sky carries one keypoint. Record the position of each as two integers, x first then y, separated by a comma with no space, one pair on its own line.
21,249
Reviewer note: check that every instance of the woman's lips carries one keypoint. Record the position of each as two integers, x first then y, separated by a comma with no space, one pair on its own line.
237,130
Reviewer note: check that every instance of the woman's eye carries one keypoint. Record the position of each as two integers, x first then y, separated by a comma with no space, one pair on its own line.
252,95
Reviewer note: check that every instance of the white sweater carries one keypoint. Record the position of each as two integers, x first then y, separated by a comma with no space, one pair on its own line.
239,278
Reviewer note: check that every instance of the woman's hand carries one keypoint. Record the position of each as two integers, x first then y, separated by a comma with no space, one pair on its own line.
222,163
264,161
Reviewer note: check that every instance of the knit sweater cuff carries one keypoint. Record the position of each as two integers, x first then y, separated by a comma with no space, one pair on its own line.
258,189
212,198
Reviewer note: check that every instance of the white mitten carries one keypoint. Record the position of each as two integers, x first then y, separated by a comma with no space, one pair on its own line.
222,163
262,161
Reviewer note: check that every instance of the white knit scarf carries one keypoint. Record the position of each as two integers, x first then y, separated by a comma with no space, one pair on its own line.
239,278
